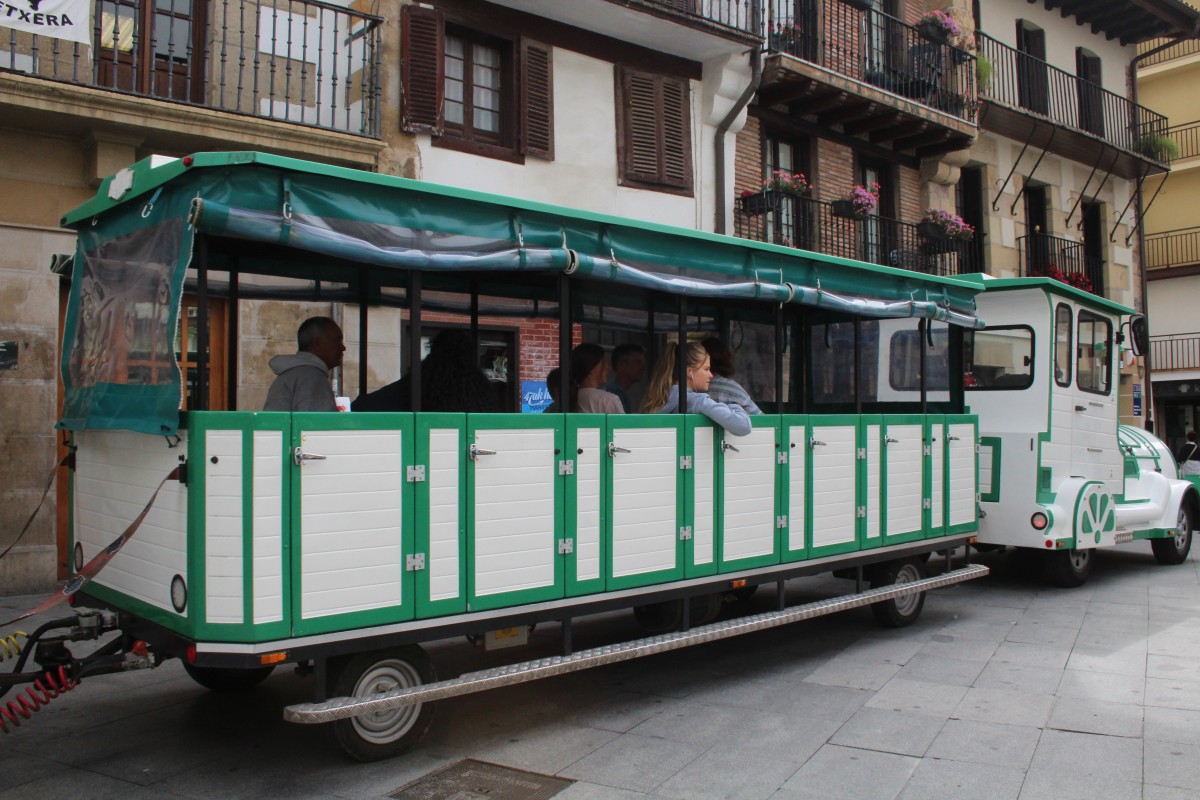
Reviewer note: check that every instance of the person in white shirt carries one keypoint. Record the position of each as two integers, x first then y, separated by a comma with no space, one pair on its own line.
589,372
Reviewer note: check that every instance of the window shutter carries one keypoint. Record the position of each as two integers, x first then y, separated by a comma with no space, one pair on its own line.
537,100
655,137
642,139
422,70
677,137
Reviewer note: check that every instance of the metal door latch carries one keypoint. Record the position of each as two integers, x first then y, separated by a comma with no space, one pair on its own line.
477,451
613,449
815,443
726,447
299,456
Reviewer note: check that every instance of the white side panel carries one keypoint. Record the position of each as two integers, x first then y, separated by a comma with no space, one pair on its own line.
987,477
351,522
962,472
905,494
514,511
748,521
704,515
223,522
587,504
645,524
445,554
116,472
797,502
833,485
268,526
874,498
937,493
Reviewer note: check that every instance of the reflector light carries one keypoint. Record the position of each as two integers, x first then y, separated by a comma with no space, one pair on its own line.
740,583
273,658
191,653
187,161
1039,521
1049,544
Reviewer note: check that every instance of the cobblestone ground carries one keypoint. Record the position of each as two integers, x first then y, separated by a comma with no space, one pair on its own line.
1003,689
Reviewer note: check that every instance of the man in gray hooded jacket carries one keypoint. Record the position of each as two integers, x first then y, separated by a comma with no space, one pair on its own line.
303,379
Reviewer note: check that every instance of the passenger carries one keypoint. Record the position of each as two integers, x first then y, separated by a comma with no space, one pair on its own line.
302,382
553,382
1189,456
662,394
628,379
450,381
723,388
589,371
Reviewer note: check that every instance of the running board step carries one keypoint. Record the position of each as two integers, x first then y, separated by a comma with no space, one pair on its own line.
469,683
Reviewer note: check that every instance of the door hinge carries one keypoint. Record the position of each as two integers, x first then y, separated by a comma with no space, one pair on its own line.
927,450
861,512
566,467
781,458
977,448
861,454
685,462
926,503
685,533
566,546
416,473
781,521
978,497
415,562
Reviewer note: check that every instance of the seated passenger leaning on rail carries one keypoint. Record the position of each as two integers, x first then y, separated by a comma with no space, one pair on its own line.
589,371
662,394
723,388
302,380
450,381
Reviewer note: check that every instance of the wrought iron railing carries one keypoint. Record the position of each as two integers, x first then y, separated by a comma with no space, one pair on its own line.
741,15
813,225
1177,248
1065,259
1175,352
300,61
1187,138
1188,47
1021,81
874,48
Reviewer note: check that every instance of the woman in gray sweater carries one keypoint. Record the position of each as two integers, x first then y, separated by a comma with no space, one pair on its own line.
662,394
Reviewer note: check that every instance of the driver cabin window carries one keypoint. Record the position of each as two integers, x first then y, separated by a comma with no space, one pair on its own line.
998,358
1094,353
1062,345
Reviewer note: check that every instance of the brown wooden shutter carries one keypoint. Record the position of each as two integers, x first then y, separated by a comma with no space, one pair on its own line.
642,155
655,136
537,99
422,70
676,133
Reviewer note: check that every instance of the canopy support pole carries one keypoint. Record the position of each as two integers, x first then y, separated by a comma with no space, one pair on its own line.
200,400
414,339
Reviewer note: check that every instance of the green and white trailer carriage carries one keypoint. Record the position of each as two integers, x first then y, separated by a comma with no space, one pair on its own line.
343,541
1058,473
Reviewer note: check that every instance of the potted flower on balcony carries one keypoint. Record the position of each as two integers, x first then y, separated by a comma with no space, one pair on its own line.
939,26
1077,279
859,204
1158,146
938,226
784,37
778,185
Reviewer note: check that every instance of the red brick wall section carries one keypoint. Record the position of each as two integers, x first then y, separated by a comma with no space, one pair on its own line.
748,162
909,194
834,173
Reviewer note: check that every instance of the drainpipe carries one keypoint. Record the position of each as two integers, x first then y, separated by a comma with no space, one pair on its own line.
1148,389
723,129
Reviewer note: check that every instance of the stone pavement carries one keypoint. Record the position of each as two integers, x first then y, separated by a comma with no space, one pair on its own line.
1003,689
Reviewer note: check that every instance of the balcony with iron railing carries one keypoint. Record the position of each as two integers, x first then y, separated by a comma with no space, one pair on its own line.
1175,352
1065,259
867,74
1171,249
298,61
809,224
1188,47
1027,99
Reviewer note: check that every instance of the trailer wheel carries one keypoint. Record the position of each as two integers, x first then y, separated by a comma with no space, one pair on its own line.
668,616
226,679
898,612
1175,549
1069,568
382,734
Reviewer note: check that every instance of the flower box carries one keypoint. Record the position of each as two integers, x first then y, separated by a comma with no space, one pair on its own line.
861,5
933,32
761,202
932,231
845,208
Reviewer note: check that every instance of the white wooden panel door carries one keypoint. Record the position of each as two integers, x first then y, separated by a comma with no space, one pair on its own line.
749,468
224,559
704,476
960,442
873,500
939,449
904,446
797,488
645,497
834,480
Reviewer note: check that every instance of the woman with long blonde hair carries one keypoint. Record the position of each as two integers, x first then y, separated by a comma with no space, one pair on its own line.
662,393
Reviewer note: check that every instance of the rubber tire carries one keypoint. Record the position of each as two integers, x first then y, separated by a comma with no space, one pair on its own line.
226,679
656,618
1069,568
1174,550
899,612
383,734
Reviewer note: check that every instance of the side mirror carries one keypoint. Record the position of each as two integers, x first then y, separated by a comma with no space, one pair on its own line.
1139,335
